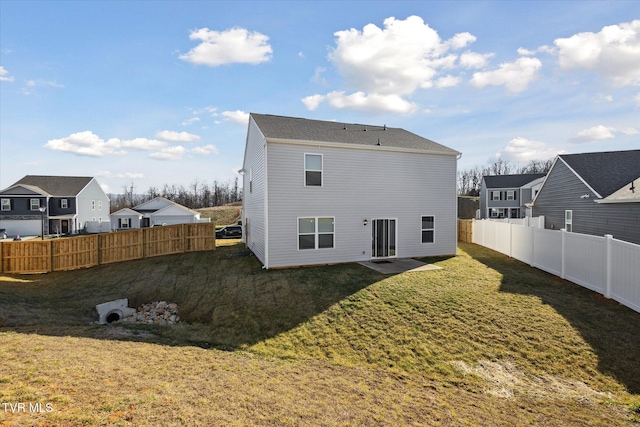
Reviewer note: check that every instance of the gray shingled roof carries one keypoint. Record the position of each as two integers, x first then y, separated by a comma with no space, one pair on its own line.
510,181
57,186
605,172
299,129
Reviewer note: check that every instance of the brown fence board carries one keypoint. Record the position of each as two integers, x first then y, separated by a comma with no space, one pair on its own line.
32,256
37,256
164,240
465,230
78,252
200,237
120,246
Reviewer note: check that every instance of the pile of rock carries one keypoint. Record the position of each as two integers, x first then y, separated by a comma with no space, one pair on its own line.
157,312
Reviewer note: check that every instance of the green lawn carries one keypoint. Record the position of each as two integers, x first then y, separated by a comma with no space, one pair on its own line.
487,340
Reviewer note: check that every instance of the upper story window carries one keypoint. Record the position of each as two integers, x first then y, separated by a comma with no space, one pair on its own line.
100,204
511,195
35,204
495,195
64,203
6,204
93,205
313,170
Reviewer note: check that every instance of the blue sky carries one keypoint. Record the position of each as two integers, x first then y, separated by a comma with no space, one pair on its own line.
155,93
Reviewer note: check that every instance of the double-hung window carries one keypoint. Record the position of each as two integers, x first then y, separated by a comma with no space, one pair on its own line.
495,195
64,203
568,221
6,204
313,170
316,233
428,229
511,195
35,204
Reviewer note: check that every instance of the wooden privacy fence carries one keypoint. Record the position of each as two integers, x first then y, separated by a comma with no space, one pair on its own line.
38,256
465,230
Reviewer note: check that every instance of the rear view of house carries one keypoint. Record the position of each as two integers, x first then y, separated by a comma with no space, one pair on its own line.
506,196
319,192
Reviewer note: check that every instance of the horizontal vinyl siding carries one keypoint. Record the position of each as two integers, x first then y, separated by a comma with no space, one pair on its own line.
562,191
357,185
254,201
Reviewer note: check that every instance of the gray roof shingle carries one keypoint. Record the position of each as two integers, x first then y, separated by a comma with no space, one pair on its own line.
606,172
299,129
57,186
510,181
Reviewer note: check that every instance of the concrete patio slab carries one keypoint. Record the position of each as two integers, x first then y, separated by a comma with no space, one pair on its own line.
397,266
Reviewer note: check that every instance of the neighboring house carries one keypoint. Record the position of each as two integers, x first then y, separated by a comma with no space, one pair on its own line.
506,196
157,211
593,193
67,203
320,192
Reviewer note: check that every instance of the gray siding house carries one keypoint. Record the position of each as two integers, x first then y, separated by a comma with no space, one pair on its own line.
157,211
68,202
506,196
593,193
320,192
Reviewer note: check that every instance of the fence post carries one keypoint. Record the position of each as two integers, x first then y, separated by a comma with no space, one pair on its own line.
563,232
608,239
510,240
533,247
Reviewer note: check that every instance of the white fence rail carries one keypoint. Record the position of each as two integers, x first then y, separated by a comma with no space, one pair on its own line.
602,264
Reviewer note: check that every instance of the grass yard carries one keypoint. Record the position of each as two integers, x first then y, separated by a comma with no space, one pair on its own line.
485,341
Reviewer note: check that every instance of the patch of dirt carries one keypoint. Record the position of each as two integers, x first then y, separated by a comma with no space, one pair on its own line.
506,380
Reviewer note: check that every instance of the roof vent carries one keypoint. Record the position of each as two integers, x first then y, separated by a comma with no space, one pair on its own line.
365,129
344,127
384,127
379,141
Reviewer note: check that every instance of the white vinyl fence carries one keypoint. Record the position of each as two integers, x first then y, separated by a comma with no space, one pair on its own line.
602,264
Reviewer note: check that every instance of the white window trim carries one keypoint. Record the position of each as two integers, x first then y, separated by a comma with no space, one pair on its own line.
304,176
568,223
93,205
511,195
64,203
31,204
316,232
493,194
125,223
100,205
6,203
428,229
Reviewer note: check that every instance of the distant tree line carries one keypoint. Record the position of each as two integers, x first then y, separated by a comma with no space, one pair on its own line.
198,195
470,180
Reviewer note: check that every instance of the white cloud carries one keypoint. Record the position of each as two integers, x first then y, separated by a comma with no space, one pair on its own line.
372,103
120,175
191,121
4,75
637,99
515,76
31,85
475,60
312,101
238,116
205,150
317,76
629,131
522,150
172,136
614,52
236,45
83,144
400,58
87,143
595,133
169,153
137,143
447,81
